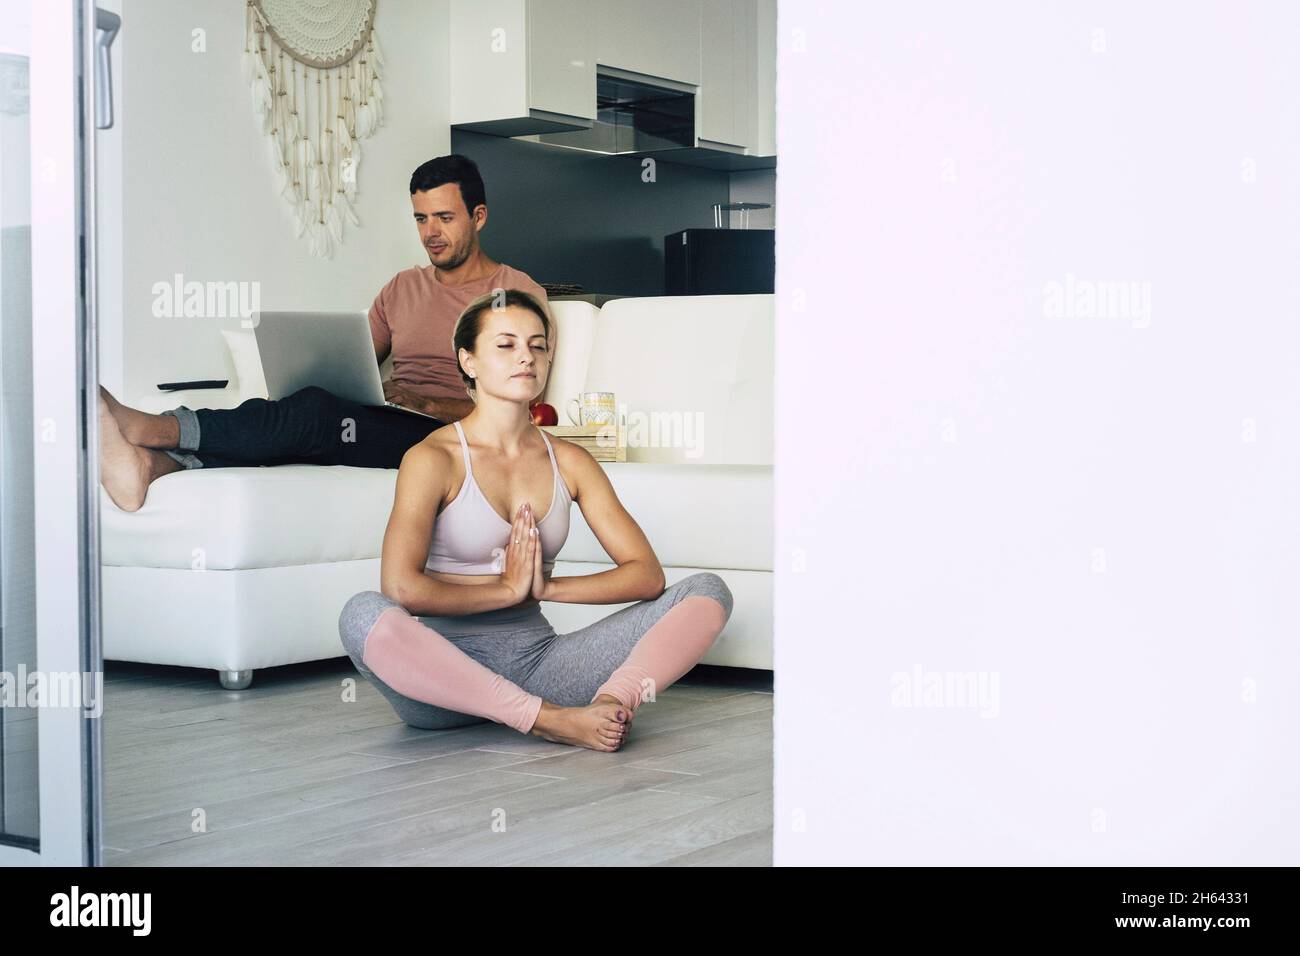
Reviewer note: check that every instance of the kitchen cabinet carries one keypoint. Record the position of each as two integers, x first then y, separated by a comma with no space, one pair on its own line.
727,28
659,38
736,103
762,102
522,66
529,67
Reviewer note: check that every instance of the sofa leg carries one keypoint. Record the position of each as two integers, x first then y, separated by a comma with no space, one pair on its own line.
235,680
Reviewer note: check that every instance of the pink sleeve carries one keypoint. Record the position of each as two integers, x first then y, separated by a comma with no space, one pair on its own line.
540,293
524,283
379,328
532,288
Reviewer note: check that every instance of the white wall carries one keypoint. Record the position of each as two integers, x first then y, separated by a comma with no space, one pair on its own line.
199,197
1098,509
754,185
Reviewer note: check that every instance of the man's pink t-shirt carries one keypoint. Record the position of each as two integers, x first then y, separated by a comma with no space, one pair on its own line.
415,315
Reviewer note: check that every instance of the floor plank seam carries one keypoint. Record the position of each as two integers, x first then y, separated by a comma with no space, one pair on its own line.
641,766
406,760
525,773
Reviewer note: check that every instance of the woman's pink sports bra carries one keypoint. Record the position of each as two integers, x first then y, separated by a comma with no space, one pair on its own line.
469,537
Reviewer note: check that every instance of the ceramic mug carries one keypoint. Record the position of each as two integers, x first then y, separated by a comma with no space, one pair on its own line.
592,408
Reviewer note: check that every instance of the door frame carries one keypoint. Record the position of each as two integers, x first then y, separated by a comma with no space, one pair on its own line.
65,421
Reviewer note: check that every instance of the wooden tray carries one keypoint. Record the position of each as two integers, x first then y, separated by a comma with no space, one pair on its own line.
605,442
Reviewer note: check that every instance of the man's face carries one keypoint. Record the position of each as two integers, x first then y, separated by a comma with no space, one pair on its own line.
447,231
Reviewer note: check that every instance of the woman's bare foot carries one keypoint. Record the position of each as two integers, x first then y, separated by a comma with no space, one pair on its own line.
140,428
125,470
628,714
596,726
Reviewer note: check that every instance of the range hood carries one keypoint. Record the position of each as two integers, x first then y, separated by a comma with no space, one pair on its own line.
636,115
632,116
645,116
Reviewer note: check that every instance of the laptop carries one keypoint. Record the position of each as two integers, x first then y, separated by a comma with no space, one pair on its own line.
332,350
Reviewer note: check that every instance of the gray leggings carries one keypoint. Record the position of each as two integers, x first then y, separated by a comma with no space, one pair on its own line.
519,644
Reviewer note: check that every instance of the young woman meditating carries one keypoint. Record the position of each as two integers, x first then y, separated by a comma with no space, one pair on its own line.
480,511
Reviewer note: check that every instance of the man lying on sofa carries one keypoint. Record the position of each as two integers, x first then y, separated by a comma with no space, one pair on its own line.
413,317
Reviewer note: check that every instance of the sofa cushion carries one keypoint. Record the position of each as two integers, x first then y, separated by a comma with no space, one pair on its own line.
249,375
702,516
716,516
225,518
693,374
575,328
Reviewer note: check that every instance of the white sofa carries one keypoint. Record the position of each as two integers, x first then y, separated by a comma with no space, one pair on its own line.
236,569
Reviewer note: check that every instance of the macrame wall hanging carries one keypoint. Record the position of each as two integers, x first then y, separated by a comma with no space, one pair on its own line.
314,67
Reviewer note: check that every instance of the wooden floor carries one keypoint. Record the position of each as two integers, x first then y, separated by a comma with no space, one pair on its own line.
288,773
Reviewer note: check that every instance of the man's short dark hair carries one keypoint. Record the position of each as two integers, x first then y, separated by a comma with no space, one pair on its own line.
454,168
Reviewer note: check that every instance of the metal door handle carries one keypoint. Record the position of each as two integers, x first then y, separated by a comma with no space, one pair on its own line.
106,26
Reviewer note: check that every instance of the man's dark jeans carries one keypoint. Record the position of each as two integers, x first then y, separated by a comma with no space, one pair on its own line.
311,426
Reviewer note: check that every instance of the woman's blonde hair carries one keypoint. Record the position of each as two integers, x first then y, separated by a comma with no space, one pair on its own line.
470,324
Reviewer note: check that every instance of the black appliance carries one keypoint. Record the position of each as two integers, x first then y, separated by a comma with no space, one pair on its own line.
720,262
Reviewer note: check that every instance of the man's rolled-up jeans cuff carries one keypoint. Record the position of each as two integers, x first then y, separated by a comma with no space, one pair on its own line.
189,423
185,458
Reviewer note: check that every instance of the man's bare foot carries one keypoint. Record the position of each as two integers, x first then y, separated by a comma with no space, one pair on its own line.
125,470
141,428
595,726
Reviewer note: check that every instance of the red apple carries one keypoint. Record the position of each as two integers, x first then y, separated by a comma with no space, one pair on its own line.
544,414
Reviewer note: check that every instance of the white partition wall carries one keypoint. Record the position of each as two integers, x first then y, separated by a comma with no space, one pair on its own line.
1038,434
